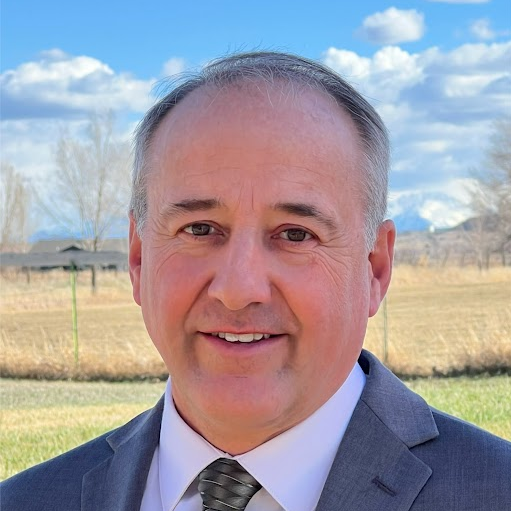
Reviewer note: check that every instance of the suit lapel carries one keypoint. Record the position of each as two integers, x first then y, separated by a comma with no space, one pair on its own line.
372,470
374,467
118,483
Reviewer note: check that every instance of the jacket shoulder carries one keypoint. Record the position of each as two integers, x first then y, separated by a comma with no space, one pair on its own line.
469,467
56,484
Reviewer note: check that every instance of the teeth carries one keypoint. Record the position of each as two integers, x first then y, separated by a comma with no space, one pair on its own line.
240,337
234,338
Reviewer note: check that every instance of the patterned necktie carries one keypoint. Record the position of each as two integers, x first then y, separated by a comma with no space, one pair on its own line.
226,486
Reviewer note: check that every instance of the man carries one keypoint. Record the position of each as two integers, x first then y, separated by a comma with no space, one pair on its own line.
258,250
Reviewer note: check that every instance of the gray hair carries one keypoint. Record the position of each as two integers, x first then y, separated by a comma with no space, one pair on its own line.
270,67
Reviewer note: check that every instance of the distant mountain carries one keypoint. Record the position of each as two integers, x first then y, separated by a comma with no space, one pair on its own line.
406,222
420,211
118,229
411,211
488,223
53,233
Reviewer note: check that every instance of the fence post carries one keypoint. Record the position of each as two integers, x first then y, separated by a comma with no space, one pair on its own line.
385,332
74,312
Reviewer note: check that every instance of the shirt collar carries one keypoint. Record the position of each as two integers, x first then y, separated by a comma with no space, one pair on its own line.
292,467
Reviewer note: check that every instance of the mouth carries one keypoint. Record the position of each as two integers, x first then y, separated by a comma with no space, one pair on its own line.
246,338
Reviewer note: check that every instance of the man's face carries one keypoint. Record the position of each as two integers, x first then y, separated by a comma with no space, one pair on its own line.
255,229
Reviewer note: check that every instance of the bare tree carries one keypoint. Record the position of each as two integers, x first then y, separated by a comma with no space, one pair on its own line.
491,197
14,203
499,182
92,181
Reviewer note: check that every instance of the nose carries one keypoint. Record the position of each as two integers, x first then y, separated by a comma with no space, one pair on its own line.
242,274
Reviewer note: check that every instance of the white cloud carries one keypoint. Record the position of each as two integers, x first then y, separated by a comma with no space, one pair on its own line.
443,206
56,92
481,29
381,77
442,214
439,106
471,58
477,74
393,26
173,66
53,54
460,86
58,85
432,146
29,145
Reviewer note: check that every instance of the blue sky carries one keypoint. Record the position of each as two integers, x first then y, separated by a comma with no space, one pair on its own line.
138,37
439,72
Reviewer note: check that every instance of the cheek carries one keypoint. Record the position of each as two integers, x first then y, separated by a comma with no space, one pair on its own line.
333,297
338,280
170,284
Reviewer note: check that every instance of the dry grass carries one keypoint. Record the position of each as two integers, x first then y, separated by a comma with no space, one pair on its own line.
445,322
36,330
439,321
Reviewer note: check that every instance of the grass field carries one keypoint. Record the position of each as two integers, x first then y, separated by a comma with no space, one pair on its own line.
41,419
36,330
445,321
438,321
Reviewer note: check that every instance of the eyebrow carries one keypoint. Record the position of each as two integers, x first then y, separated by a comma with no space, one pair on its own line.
307,211
300,209
189,206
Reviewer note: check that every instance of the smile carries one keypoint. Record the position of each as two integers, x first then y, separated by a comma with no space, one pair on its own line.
240,337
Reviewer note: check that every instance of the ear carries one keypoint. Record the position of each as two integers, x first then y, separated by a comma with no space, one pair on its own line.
135,258
380,261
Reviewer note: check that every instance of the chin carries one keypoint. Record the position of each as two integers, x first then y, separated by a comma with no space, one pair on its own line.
242,403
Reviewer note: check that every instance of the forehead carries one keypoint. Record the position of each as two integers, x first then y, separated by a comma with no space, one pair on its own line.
283,132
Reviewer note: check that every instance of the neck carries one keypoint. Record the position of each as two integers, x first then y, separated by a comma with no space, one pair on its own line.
234,438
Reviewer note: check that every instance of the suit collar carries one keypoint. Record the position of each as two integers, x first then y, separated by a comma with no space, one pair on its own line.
118,482
374,467
405,413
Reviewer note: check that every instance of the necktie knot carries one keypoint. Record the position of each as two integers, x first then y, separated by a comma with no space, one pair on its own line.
225,485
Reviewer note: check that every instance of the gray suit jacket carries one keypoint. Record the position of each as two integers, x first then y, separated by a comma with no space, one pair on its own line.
398,454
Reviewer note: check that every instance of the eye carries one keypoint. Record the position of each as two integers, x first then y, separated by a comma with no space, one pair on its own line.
200,229
295,235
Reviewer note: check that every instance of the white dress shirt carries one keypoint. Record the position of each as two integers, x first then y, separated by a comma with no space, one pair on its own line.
292,467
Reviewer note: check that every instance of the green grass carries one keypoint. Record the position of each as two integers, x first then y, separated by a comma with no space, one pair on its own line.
485,401
41,419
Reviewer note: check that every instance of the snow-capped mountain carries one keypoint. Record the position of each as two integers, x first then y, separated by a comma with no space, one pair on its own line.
419,211
410,210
